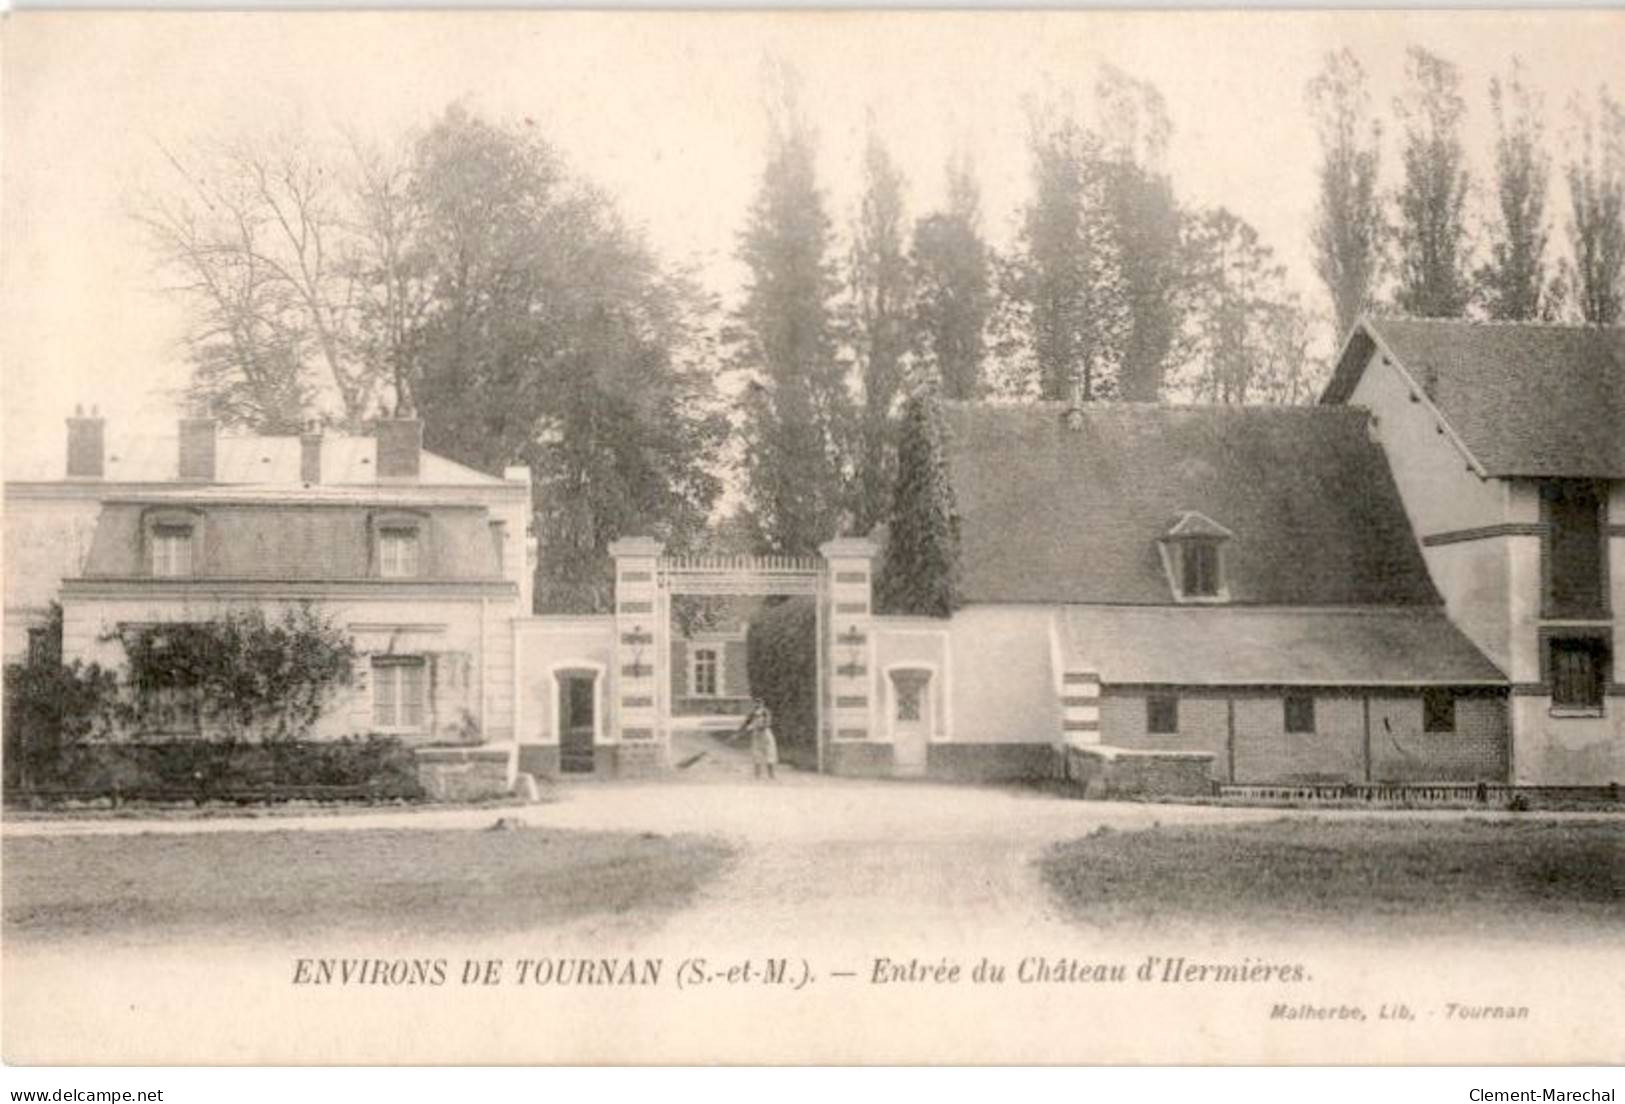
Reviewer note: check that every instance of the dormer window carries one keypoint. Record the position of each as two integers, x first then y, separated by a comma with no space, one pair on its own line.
398,553
172,538
1200,570
172,551
1193,558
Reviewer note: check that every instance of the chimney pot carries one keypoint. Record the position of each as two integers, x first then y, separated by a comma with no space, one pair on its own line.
197,450
86,445
400,448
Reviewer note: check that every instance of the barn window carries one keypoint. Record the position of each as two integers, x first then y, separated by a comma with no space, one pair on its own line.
1438,710
1578,668
1162,714
1300,713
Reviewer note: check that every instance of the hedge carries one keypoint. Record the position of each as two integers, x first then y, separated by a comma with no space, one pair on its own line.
781,662
364,768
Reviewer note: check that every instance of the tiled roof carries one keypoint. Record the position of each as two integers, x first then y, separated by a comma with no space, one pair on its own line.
1054,515
1525,399
260,461
1224,646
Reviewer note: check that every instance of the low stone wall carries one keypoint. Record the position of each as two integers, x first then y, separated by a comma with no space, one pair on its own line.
859,759
991,762
467,773
539,760
1108,772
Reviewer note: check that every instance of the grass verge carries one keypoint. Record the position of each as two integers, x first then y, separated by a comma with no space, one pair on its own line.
1389,876
302,883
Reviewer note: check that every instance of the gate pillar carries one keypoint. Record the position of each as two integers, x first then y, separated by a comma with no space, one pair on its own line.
847,642
640,680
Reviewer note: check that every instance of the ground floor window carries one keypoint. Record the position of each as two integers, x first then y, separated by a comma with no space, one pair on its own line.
1162,714
705,672
1438,710
399,692
1300,713
1578,668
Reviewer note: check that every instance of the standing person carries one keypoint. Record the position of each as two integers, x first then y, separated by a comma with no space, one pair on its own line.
764,747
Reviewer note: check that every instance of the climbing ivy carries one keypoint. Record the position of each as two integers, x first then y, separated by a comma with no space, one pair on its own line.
239,676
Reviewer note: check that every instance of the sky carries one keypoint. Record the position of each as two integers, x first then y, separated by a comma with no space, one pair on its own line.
664,111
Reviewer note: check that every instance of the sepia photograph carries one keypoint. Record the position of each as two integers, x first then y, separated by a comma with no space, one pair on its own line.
813,538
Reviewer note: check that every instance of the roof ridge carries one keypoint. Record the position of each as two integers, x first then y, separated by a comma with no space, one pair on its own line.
1508,323
1106,405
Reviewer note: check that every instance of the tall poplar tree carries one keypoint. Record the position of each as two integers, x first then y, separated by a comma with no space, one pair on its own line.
1513,285
1145,224
1348,229
882,331
1066,315
1431,226
796,411
953,292
1596,178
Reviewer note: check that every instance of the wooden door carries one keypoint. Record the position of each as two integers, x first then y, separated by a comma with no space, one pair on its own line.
911,720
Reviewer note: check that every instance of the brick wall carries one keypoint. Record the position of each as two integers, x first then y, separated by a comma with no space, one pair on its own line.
1336,751
1204,725
1475,751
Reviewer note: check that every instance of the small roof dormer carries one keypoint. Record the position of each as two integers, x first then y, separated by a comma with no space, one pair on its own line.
1193,556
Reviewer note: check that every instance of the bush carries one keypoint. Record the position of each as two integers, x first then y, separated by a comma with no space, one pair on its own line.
781,662
374,767
52,707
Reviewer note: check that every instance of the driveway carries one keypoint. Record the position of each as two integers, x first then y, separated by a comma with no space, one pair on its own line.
834,877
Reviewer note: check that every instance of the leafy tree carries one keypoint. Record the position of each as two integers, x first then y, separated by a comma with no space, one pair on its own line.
1348,230
266,243
882,328
1513,284
796,412
1145,223
1248,335
1432,230
552,337
1596,178
919,572
1066,314
953,293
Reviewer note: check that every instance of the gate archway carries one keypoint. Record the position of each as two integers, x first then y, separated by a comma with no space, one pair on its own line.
840,581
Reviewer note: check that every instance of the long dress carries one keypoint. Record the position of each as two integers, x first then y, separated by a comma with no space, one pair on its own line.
764,749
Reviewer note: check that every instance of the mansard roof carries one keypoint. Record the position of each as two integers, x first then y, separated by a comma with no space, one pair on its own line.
1058,515
1524,398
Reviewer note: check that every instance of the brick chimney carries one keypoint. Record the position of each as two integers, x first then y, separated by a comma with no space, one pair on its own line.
87,444
310,453
197,450
400,446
